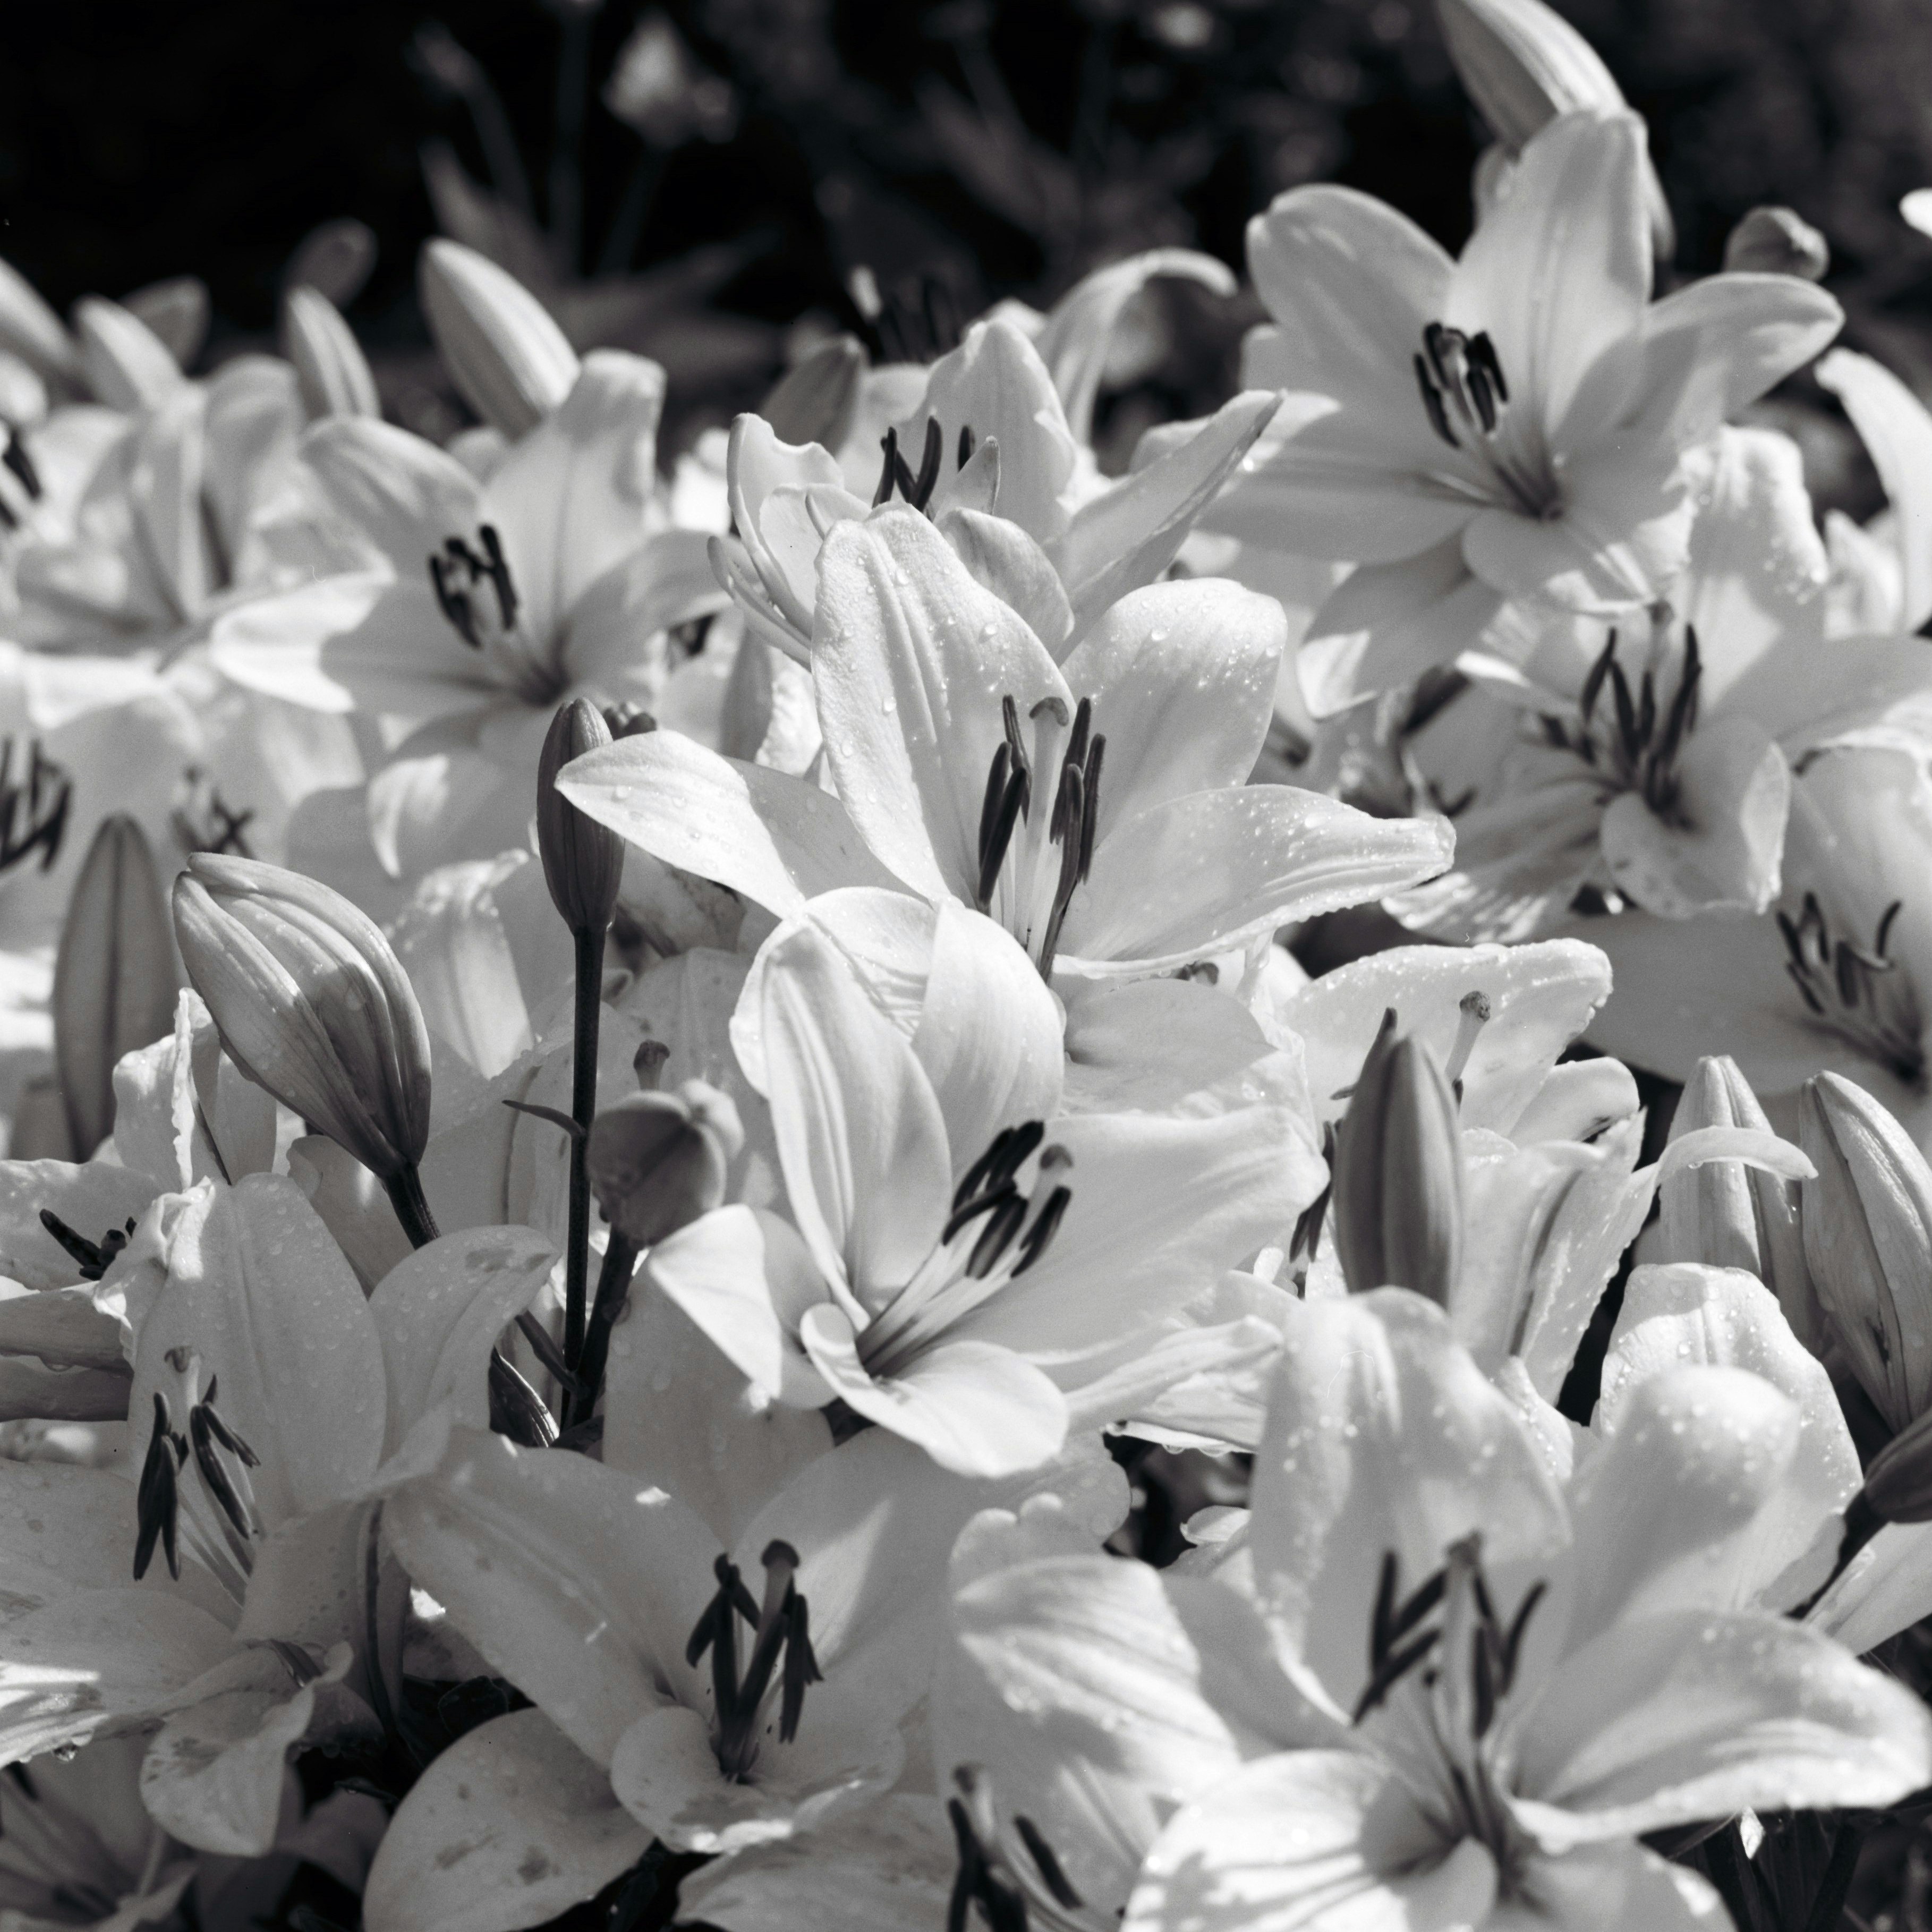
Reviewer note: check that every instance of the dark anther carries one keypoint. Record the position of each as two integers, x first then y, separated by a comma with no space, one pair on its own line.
16,458
93,1258
1390,1658
1483,356
1627,731
1593,685
1041,1854
454,604
1090,815
1001,1161
207,1431
782,1625
46,795
997,1236
1046,1224
1431,401
497,570
458,562
888,444
985,1878
970,1211
1009,720
967,440
158,1495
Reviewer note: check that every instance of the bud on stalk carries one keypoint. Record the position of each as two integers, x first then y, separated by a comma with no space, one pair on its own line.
128,366
1727,1213
114,976
502,349
331,369
814,402
1777,241
1866,1221
658,1161
1523,64
582,861
311,1004
1398,1173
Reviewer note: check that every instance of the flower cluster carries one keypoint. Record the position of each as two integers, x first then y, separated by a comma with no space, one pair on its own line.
882,1183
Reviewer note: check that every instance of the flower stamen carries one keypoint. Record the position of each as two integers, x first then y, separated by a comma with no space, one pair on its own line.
1854,992
781,1625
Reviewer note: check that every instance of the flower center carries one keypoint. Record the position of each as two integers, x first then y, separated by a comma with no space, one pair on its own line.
1013,1885
33,810
1856,993
782,1628
222,1461
1467,400
987,1242
917,487
1635,744
1467,1660
1034,891
20,466
476,594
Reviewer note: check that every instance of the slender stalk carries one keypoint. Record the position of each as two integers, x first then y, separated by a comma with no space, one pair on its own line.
372,1591
412,1209
613,1285
583,1105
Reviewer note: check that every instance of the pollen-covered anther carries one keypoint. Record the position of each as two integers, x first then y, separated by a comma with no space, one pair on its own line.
1473,1013
454,574
157,1497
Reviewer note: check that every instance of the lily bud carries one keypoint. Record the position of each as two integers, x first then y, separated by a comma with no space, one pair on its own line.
128,366
658,1160
1777,241
1523,64
114,975
1727,1213
1867,1225
177,312
31,331
500,345
331,369
310,1003
1398,1173
1898,1485
334,258
814,403
582,861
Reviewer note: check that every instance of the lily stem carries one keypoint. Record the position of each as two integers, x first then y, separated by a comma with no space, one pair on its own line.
589,942
613,1285
412,1209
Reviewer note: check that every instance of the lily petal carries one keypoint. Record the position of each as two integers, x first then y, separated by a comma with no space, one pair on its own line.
1894,426
510,1826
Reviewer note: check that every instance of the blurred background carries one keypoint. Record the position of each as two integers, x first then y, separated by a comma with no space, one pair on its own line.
700,178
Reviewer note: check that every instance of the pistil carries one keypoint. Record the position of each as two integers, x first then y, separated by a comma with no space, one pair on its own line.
781,1625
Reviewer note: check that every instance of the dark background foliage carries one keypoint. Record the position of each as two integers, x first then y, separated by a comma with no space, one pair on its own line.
963,149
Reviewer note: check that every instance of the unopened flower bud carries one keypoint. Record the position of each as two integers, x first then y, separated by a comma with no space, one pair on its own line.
1867,1220
814,402
31,331
658,1160
177,312
334,259
582,861
1728,1213
1398,1173
1898,1485
1776,241
332,372
310,1003
502,347
1523,64
114,975
128,366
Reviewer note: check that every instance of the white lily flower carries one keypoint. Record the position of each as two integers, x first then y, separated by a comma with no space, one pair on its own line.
968,1260
274,1405
1658,772
1508,425
491,603
1838,978
987,451
610,1601
1466,1694
1096,808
